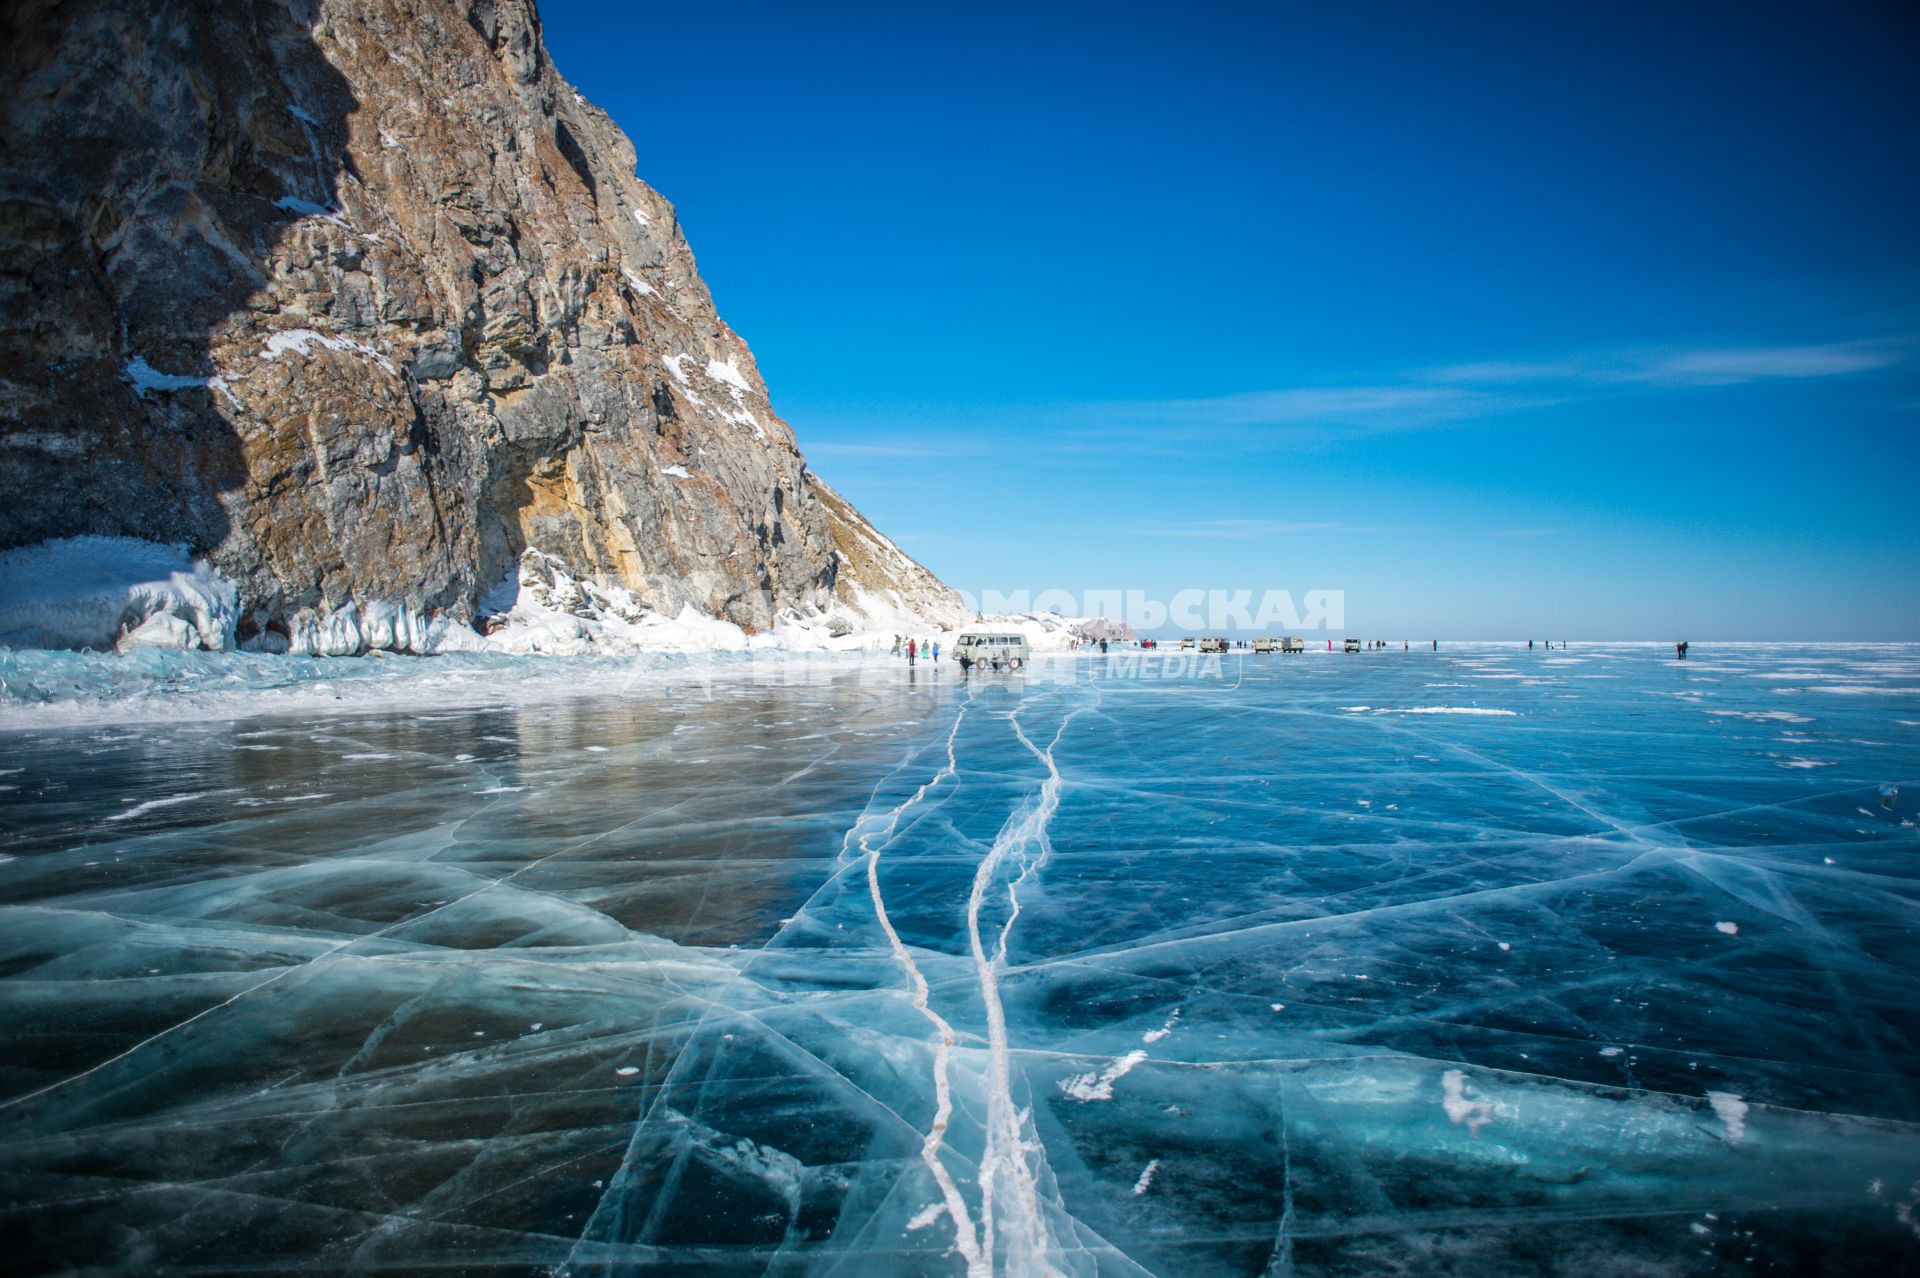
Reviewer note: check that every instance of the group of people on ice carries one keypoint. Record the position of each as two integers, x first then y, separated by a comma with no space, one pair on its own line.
914,649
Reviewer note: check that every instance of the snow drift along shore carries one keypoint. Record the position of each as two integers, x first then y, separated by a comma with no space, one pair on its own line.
122,594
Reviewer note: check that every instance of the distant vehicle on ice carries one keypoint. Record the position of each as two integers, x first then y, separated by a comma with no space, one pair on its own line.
1266,645
1293,643
1213,645
1351,645
1000,650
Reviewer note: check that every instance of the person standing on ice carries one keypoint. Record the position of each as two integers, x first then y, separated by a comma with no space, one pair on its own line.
912,651
896,645
936,650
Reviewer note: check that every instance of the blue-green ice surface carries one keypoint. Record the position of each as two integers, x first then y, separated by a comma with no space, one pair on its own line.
1484,961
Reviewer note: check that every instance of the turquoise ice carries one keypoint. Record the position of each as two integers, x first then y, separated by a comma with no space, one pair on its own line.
1484,961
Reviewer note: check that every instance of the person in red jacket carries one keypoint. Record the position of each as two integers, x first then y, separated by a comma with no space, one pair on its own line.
913,650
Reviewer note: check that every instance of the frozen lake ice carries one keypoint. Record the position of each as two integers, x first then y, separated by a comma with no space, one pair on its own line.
1490,961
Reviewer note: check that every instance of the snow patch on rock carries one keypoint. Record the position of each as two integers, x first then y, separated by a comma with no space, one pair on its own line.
543,607
302,340
146,378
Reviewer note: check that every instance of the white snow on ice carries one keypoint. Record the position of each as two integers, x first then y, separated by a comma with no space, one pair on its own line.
1732,1112
1098,1086
1461,1109
1468,710
1155,1035
1145,1182
150,805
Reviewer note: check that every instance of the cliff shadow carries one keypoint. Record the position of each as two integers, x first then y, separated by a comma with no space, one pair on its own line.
154,155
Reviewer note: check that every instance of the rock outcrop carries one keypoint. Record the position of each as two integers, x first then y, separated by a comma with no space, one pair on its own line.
361,301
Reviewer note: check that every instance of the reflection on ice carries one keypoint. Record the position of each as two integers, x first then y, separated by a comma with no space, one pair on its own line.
1059,976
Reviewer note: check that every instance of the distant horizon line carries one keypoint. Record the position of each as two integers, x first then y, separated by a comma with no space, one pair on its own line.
1428,639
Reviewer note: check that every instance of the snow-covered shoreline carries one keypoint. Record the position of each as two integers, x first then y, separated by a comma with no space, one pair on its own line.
125,595
113,630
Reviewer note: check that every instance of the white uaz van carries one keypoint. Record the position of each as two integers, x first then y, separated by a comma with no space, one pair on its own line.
1004,650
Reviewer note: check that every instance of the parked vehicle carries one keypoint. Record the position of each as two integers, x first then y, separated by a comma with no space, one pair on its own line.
1266,645
1351,645
1185,644
1000,650
1293,643
1213,644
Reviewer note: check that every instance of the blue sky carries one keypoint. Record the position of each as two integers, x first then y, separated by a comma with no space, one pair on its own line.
1506,320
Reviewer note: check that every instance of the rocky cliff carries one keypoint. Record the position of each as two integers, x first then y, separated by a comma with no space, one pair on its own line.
360,300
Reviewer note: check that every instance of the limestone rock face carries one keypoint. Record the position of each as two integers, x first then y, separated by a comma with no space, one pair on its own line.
879,585
360,299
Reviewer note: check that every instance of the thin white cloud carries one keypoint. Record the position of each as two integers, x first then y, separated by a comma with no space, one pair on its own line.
1720,367
1325,403
1703,366
1255,529
1363,409
1418,399
1243,529
1506,372
830,448
1472,391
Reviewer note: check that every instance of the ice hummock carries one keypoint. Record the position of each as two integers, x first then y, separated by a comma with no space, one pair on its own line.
886,972
81,592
